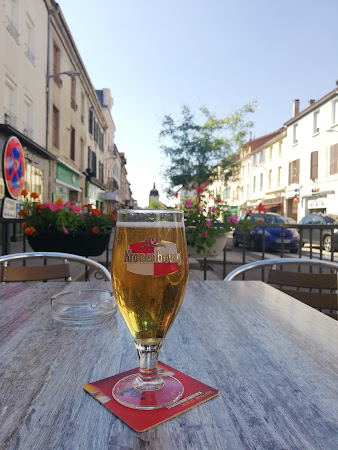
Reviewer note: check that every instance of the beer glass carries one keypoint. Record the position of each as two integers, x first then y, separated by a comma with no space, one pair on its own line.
149,275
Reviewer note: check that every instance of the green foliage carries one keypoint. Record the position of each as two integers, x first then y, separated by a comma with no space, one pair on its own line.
63,217
155,204
195,150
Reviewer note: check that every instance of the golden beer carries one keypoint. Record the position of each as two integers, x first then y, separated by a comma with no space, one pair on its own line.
149,275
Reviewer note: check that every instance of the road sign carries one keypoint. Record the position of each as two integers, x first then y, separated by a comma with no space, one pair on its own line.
13,167
10,208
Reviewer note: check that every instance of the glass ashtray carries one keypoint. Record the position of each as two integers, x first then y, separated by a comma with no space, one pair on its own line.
86,306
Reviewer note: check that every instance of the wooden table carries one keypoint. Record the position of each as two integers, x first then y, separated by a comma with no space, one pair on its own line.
274,360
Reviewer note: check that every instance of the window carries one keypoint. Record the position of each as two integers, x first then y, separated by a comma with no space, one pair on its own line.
82,107
13,19
270,153
316,122
101,171
72,143
279,176
28,117
294,138
280,148
261,182
254,159
334,112
56,64
270,178
30,39
334,159
254,184
226,193
294,171
90,120
92,161
73,93
314,166
262,156
56,126
10,102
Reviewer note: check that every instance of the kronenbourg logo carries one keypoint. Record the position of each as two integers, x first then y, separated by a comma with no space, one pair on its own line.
152,257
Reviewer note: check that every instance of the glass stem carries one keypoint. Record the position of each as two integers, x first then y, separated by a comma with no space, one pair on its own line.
148,378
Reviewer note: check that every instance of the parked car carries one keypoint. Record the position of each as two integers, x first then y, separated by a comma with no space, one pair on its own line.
320,219
273,236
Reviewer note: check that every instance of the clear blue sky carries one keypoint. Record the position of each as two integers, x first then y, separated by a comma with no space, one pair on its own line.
158,55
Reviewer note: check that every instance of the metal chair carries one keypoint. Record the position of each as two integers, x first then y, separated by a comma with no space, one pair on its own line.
318,290
45,272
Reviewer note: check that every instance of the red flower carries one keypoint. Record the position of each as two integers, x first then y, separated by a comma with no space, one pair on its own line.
34,195
23,213
24,192
261,208
206,184
260,221
248,212
218,200
95,230
95,212
30,230
199,190
175,194
59,202
113,217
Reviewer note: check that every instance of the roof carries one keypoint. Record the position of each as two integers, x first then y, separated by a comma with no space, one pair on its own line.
255,143
312,107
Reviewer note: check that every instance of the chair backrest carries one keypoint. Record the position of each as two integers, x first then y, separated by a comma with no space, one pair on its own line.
45,272
319,290
35,273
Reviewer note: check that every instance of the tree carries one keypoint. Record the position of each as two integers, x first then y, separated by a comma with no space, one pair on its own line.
195,151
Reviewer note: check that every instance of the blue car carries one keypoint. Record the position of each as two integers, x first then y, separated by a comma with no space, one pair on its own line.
273,236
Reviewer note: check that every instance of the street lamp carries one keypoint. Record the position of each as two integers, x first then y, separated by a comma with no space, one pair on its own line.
70,73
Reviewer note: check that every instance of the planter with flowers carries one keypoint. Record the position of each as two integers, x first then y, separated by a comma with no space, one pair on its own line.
63,227
205,236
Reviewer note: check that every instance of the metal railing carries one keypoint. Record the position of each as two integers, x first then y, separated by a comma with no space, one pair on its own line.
283,251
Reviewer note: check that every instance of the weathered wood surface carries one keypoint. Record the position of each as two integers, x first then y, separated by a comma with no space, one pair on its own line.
274,360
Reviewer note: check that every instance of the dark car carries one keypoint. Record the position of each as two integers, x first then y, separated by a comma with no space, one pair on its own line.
273,236
320,219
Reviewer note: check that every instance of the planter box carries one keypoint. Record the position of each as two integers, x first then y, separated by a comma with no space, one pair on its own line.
215,250
82,243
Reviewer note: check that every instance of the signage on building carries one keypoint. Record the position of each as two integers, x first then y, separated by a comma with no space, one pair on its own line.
10,208
317,203
13,167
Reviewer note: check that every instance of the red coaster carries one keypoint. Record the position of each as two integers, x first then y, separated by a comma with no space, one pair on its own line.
195,393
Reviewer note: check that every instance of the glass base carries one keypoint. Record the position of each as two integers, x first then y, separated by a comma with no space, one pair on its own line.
125,393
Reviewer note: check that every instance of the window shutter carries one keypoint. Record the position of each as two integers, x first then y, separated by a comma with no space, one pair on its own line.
334,159
314,166
297,170
290,167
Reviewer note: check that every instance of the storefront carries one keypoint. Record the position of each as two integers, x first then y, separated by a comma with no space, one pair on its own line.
274,204
67,186
95,194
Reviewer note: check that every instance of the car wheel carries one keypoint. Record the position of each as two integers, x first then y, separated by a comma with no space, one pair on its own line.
327,243
235,242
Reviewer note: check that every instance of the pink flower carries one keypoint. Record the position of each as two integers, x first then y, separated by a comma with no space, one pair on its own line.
75,208
206,234
68,204
64,229
49,205
208,223
214,209
233,219
199,190
188,203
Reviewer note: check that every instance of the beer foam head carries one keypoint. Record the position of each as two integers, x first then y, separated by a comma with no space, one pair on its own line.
150,218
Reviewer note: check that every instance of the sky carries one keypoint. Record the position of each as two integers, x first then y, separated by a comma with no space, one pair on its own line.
158,55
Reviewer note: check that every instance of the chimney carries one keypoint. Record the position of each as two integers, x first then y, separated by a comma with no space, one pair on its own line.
295,108
311,102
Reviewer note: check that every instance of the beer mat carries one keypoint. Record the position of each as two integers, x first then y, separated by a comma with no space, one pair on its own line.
195,393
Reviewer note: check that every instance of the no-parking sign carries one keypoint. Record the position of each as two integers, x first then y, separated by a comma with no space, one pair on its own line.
13,167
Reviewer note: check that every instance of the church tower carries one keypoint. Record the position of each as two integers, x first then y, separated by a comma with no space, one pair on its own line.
154,195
